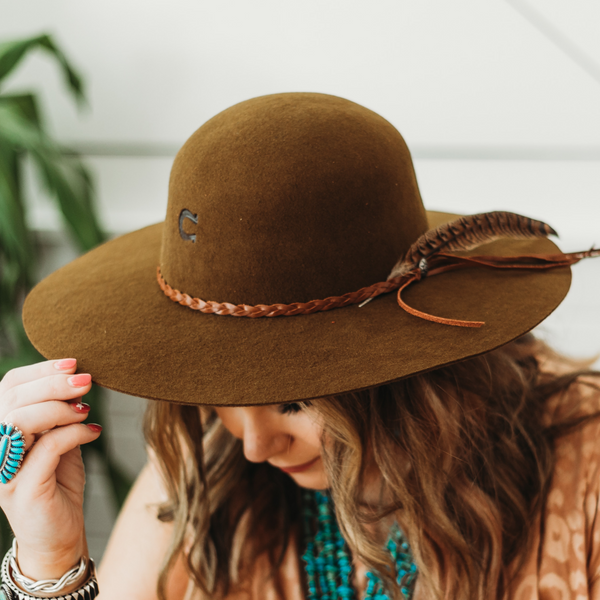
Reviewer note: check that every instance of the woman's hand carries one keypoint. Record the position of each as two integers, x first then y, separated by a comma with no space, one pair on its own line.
44,500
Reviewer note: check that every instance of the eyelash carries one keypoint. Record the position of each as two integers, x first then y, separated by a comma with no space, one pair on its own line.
290,409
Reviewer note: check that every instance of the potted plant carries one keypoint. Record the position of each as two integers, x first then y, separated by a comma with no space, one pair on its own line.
67,181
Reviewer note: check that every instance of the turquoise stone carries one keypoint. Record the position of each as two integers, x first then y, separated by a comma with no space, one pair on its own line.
12,448
4,448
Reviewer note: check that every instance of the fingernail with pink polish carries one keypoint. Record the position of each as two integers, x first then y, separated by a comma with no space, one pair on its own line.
80,380
95,427
79,406
65,363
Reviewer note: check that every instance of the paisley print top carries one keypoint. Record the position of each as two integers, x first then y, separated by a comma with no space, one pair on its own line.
564,562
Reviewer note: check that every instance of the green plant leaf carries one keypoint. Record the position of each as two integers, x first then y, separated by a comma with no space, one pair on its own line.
72,190
15,241
22,134
65,176
17,255
14,237
26,104
12,52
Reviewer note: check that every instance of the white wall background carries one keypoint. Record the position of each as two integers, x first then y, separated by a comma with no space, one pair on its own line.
499,102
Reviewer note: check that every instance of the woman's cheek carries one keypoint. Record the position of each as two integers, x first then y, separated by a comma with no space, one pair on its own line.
310,430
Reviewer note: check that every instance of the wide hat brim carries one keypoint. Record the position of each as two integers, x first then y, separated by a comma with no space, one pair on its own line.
107,310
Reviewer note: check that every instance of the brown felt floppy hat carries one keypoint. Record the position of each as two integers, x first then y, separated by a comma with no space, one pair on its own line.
281,199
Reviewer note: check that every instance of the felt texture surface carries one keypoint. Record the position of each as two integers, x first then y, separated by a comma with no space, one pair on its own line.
297,197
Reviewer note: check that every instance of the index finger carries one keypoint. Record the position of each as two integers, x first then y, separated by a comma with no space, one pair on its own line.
29,373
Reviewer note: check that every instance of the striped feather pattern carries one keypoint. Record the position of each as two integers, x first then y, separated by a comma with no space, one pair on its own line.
467,233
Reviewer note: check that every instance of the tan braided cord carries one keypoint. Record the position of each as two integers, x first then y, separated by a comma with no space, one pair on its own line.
441,263
277,310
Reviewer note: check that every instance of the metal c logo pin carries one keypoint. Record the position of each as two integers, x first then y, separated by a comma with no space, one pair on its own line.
183,215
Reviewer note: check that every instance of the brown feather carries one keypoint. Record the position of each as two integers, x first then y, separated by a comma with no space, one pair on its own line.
467,233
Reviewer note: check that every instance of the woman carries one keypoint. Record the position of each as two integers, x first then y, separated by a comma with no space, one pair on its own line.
450,451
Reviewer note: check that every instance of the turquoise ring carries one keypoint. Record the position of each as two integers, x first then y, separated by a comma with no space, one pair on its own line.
12,451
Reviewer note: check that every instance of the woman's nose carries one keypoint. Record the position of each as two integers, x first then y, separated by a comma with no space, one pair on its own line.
261,439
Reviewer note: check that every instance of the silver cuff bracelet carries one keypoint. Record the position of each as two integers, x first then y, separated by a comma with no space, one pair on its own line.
15,586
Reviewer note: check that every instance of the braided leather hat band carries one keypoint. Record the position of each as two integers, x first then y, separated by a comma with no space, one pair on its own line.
274,310
364,295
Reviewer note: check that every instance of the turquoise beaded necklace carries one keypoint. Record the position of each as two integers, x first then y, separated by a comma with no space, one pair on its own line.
327,557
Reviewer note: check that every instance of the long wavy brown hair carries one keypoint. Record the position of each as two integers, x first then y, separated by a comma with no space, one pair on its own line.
463,456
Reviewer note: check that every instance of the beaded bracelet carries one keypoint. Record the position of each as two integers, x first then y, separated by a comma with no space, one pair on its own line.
9,590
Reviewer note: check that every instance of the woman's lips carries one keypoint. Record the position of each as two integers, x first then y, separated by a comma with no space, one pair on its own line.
300,468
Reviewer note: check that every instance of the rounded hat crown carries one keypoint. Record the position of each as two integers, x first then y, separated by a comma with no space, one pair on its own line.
288,198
